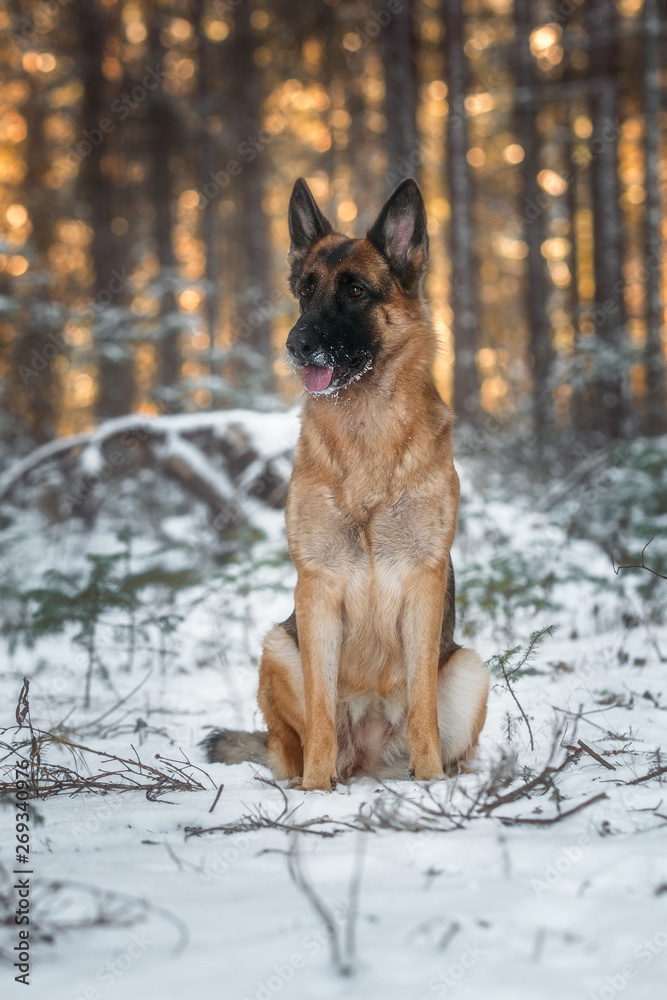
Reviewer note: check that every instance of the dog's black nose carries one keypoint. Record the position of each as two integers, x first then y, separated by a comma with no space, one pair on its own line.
299,345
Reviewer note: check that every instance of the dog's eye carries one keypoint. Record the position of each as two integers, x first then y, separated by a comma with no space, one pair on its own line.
355,291
305,291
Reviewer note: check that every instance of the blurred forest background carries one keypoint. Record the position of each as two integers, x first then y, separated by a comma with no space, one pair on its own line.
148,150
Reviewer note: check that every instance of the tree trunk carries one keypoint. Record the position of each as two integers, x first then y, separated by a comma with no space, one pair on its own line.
462,232
609,310
359,149
577,195
400,101
572,209
254,277
115,390
33,386
655,310
163,132
207,163
536,291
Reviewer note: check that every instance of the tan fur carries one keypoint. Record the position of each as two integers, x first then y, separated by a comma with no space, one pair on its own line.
371,516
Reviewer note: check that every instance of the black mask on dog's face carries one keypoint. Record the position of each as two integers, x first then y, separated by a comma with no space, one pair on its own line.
340,282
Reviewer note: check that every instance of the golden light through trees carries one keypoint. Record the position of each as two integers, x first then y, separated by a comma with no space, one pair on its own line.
314,83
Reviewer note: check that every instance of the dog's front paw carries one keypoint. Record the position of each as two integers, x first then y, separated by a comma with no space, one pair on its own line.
314,782
427,772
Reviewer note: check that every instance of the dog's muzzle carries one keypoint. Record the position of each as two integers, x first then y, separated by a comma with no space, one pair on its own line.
323,371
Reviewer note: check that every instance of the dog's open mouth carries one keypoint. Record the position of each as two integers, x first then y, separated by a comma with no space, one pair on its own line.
317,379
320,378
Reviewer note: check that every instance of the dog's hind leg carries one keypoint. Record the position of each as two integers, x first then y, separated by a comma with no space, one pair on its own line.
463,688
281,699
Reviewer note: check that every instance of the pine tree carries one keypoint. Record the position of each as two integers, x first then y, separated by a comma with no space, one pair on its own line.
536,287
653,242
462,232
611,349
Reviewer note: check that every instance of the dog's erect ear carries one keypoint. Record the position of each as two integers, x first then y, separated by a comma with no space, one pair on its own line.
400,233
306,222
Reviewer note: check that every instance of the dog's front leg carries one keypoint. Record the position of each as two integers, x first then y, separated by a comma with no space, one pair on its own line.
421,627
320,629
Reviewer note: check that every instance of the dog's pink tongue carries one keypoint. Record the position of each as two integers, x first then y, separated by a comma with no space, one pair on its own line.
315,378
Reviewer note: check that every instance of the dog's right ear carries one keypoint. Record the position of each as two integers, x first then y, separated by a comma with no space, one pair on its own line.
306,222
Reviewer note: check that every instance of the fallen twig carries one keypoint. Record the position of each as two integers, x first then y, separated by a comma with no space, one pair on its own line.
543,778
215,800
548,820
596,756
647,777
258,819
49,779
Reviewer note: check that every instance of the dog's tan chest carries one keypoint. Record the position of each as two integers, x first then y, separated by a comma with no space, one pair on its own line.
372,560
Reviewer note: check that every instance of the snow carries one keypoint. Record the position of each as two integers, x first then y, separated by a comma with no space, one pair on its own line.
483,908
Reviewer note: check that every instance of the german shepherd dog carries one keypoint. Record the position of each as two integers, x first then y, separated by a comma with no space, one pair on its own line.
365,677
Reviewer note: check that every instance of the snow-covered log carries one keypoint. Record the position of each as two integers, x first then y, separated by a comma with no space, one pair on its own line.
222,458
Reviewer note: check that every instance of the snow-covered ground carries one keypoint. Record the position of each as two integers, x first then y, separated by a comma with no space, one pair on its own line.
395,891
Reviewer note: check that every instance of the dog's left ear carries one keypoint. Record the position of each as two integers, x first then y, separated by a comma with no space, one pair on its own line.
400,233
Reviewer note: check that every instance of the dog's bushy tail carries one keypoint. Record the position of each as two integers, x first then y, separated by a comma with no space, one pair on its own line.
234,746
